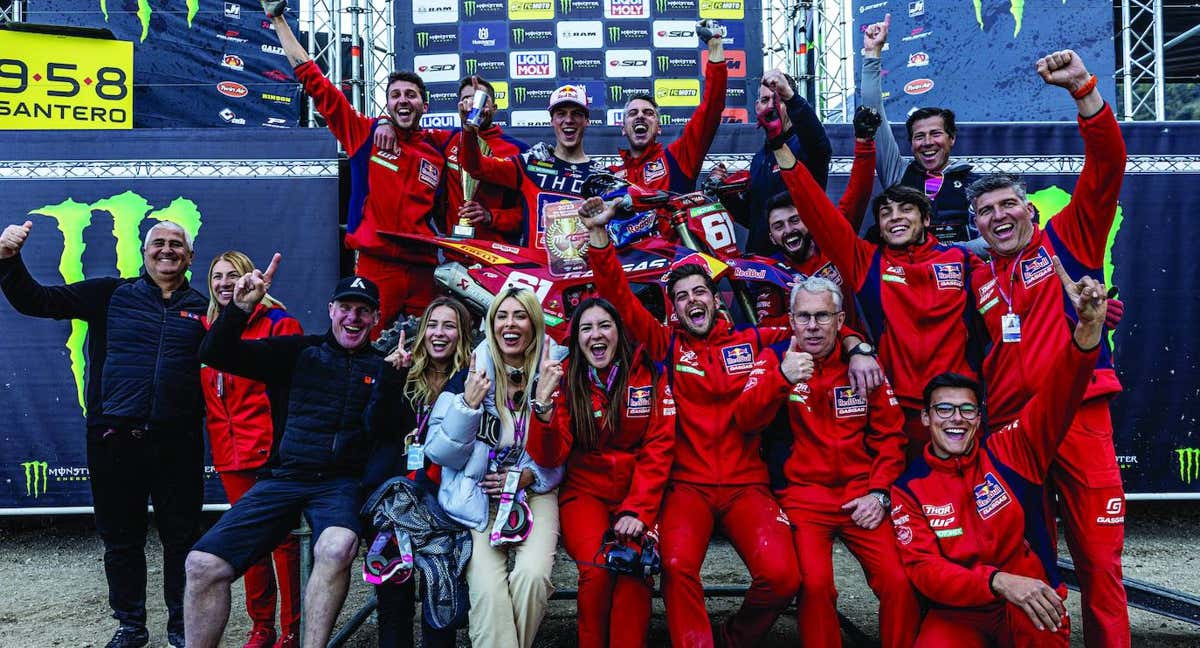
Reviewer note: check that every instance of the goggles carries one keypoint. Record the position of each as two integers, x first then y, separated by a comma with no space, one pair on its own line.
389,560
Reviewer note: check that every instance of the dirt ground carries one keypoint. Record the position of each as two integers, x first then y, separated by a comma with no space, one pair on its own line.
52,590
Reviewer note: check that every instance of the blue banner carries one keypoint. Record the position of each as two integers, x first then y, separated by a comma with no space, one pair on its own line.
88,219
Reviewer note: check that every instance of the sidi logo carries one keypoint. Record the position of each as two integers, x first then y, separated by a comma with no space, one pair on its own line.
128,211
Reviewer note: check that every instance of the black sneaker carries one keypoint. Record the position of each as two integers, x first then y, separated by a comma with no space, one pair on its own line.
130,636
175,639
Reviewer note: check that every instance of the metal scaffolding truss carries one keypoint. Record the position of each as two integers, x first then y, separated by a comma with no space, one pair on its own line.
368,27
812,40
1142,59
10,10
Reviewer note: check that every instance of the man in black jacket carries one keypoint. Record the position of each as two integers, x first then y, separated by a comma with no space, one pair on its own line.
329,393
144,410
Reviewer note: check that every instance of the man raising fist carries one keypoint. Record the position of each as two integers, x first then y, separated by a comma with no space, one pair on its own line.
847,448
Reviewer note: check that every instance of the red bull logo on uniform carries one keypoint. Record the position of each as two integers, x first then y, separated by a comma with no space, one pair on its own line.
990,496
847,403
1034,271
738,358
638,402
654,170
830,272
429,173
949,276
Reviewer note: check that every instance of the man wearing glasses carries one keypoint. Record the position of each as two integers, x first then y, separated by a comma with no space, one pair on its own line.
968,515
847,448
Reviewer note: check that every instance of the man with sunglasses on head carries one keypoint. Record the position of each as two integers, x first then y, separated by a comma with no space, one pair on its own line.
968,514
846,450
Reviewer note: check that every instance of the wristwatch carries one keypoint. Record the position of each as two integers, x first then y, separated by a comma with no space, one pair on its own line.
539,407
885,500
862,348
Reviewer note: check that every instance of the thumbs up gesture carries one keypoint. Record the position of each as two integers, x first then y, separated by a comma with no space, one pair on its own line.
13,238
797,365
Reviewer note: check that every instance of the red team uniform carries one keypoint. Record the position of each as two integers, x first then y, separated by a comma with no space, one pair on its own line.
625,473
718,475
676,166
389,192
916,301
241,435
1085,471
960,520
843,446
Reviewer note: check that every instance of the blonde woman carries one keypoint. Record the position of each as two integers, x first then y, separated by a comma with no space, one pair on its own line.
489,481
241,435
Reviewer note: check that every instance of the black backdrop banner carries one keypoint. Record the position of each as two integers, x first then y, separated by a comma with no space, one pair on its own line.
89,216
283,196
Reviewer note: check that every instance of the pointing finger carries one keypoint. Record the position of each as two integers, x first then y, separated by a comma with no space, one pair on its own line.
272,267
1061,271
400,345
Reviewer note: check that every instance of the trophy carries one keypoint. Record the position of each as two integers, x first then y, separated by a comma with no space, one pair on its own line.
464,228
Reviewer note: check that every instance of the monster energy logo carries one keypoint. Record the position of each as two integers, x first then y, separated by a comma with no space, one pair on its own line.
664,120
1189,464
469,7
518,34
144,11
1016,8
615,92
566,64
423,39
663,62
36,476
614,34
471,65
128,210
565,6
661,5
519,94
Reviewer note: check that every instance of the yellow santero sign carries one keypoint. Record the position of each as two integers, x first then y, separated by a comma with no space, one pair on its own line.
64,82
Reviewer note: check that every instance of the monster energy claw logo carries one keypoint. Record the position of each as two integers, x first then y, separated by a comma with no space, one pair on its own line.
1189,464
472,65
565,6
567,63
36,475
614,34
423,39
661,5
519,94
128,210
518,34
664,63
144,11
615,92
469,7
664,120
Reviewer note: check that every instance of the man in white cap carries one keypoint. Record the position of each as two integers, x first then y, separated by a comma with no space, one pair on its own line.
545,175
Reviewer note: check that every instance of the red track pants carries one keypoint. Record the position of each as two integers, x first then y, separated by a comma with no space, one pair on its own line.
1004,626
817,519
613,610
404,289
1091,498
260,582
756,527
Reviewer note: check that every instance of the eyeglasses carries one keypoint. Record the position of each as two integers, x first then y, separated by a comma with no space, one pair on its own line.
822,318
968,411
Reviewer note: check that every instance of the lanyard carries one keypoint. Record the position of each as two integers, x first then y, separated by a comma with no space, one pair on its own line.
607,385
423,415
1012,280
501,457
933,184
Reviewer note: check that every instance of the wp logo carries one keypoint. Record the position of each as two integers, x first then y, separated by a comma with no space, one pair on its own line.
128,211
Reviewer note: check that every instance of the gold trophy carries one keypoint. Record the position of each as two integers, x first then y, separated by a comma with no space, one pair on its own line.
464,228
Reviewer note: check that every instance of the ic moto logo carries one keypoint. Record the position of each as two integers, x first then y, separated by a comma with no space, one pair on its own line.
232,89
918,86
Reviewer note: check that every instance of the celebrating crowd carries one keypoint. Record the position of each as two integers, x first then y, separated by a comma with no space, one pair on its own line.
932,394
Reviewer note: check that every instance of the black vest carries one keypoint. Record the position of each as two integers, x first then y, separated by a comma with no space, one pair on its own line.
951,221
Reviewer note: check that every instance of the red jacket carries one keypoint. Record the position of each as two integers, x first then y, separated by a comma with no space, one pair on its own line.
705,374
629,467
508,217
772,303
960,520
676,166
238,413
840,439
389,192
1078,234
915,301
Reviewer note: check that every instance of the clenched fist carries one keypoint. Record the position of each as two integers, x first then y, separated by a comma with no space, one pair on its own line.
13,239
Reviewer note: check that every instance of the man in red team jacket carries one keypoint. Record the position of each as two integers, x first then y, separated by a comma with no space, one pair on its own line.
1023,310
846,450
389,191
676,166
968,514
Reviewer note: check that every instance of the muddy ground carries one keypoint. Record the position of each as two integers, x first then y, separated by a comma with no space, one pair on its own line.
52,590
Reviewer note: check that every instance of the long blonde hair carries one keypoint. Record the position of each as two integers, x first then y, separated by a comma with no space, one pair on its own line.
533,353
422,385
243,265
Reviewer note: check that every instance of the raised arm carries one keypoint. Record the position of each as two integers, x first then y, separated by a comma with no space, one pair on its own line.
889,163
854,201
693,144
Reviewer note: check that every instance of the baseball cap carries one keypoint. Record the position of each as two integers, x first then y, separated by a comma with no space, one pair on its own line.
356,288
575,94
